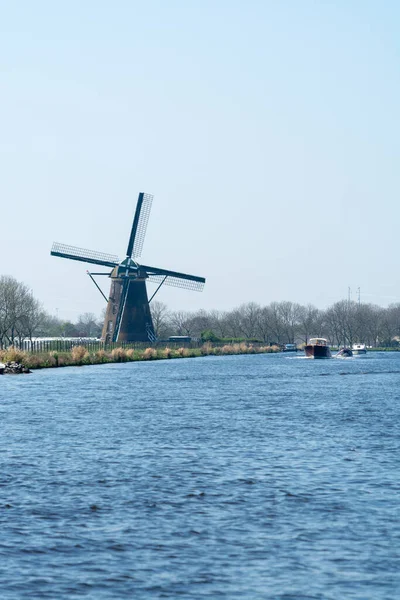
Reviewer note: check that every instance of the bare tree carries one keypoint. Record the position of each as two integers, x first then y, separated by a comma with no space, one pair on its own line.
371,331
88,325
391,324
289,313
181,323
160,316
264,327
309,322
234,323
276,322
249,319
31,318
341,322
200,321
219,321
20,313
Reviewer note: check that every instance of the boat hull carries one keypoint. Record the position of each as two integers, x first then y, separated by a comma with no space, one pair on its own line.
317,352
359,351
344,353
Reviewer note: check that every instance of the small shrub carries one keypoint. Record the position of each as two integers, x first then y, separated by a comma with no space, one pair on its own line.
78,354
184,352
150,354
227,349
101,356
62,361
15,355
34,361
194,352
206,349
118,355
87,359
209,336
54,356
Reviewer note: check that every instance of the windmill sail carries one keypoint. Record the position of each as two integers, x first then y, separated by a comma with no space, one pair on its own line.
174,278
139,226
83,255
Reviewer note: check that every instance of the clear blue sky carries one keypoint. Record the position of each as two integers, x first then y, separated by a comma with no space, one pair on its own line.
268,132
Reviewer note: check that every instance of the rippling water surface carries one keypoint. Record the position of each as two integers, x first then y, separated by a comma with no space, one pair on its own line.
268,476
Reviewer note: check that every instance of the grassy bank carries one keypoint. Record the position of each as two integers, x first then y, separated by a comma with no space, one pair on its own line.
79,355
384,349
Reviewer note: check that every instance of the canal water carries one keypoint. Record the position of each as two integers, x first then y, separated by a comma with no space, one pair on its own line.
256,476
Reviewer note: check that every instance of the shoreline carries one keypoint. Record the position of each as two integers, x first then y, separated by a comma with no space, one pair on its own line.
80,356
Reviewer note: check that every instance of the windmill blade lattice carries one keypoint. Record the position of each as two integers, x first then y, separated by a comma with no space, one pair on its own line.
142,225
187,284
174,278
83,255
139,226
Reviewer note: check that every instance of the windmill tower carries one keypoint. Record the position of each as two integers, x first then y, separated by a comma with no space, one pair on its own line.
128,316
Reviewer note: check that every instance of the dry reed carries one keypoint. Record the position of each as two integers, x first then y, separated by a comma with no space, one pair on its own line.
150,354
13,354
183,352
80,355
167,352
118,355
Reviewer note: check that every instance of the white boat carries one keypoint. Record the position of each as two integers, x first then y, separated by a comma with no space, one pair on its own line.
359,349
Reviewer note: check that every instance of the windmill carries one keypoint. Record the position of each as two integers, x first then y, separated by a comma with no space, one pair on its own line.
128,316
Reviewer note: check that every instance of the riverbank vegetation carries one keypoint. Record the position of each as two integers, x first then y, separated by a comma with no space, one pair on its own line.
80,355
342,323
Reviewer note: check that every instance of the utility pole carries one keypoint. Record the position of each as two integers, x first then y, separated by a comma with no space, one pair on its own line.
359,295
349,295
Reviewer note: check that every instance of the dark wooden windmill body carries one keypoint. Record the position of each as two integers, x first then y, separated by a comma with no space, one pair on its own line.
128,315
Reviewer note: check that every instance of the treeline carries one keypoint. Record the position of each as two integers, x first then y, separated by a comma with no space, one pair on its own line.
20,312
22,317
343,323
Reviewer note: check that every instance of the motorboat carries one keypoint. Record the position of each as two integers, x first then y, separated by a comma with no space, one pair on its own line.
359,349
317,348
344,353
290,348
